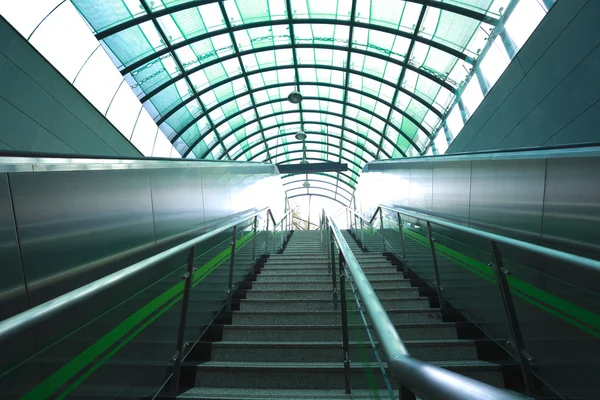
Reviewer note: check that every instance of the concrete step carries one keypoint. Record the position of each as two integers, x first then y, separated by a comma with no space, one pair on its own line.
331,351
319,375
311,268
281,394
326,294
283,284
327,317
299,304
280,333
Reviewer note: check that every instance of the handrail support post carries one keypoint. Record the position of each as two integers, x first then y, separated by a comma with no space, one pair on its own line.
402,240
345,344
438,282
189,277
231,266
382,230
333,280
267,239
513,320
254,225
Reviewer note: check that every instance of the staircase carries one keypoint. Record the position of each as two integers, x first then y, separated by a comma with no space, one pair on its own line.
285,341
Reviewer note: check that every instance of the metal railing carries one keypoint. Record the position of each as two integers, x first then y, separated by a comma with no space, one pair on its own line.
524,359
284,222
415,376
27,319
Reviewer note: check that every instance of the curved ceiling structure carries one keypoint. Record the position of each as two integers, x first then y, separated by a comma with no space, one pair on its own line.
378,77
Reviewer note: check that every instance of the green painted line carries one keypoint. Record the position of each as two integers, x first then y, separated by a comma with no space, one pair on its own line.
567,311
115,350
59,378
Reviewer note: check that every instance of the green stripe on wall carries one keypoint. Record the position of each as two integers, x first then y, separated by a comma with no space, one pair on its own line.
567,311
83,359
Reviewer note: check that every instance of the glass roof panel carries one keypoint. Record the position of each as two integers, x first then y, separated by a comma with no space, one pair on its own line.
215,77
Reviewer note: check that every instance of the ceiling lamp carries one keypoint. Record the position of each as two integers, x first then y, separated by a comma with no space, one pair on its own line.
306,184
300,135
295,97
304,161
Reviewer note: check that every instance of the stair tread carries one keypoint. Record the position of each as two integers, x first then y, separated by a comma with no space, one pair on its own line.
436,342
316,327
272,394
278,366
336,312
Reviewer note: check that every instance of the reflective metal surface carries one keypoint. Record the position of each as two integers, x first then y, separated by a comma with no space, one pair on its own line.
549,197
424,379
12,286
508,193
80,222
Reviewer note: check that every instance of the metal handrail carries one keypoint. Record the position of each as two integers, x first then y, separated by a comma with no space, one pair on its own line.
35,315
422,378
582,262
360,216
283,218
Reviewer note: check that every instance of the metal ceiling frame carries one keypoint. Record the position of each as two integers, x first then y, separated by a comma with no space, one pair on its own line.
330,85
197,3
318,195
325,21
243,69
232,132
250,147
366,49
171,51
403,72
212,146
315,180
210,88
347,79
320,160
360,167
311,122
321,188
324,174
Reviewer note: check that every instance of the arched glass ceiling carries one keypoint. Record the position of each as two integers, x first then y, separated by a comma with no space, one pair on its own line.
380,78
214,73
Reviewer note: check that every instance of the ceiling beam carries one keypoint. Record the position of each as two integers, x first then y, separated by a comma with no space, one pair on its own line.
292,112
173,54
197,3
308,142
403,71
326,166
243,69
326,21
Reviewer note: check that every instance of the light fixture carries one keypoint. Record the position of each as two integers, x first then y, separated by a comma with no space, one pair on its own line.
303,161
300,135
295,97
306,184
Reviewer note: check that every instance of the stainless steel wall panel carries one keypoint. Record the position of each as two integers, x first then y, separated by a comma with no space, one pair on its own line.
572,201
73,224
508,194
177,202
451,189
217,203
421,181
13,297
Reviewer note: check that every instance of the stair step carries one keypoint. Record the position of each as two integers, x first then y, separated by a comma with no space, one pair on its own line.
331,351
324,284
281,394
320,375
266,333
299,304
325,294
327,317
